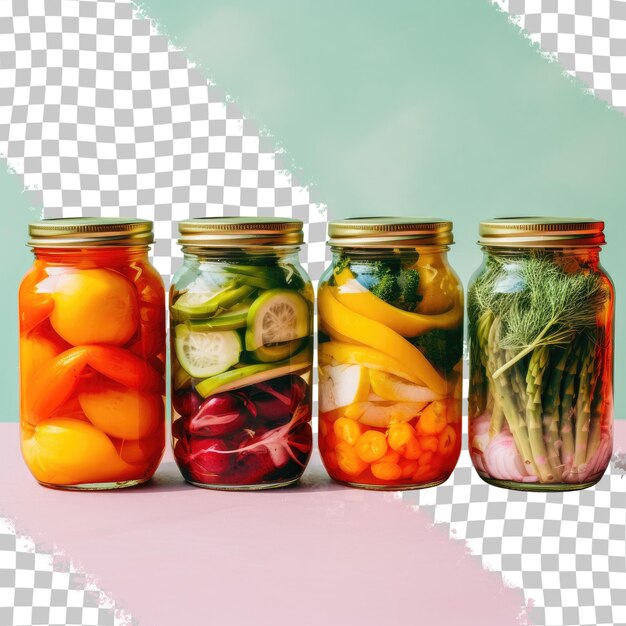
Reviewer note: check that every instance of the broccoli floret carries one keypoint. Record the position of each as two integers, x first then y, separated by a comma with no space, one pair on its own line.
386,280
397,287
443,348
408,281
386,286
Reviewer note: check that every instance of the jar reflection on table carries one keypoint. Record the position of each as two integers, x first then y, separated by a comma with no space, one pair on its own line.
390,354
92,354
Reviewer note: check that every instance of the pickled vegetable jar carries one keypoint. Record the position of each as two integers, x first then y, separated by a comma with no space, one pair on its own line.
92,354
390,312
241,345
541,355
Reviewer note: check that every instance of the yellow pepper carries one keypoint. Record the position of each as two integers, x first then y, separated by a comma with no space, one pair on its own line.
378,336
354,354
362,301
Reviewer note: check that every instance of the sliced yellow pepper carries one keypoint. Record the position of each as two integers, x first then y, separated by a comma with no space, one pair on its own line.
365,356
333,334
378,336
360,300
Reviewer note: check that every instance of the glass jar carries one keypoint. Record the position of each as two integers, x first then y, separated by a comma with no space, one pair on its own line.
241,309
92,354
541,355
390,312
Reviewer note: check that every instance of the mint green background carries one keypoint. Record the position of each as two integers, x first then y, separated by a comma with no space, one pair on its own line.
416,108
15,259
400,107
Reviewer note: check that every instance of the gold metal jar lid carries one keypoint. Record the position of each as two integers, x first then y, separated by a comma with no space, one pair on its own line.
90,232
541,232
232,232
389,232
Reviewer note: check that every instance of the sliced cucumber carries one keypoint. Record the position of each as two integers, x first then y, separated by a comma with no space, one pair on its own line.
258,278
276,352
230,319
244,376
192,305
277,316
203,354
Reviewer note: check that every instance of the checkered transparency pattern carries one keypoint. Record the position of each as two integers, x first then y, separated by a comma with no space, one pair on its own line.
39,588
587,37
101,116
566,551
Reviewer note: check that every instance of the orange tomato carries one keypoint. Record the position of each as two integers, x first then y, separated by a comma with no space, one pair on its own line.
426,474
119,411
94,306
347,430
447,440
37,348
433,418
429,443
371,446
145,451
34,306
386,471
63,451
412,449
391,456
425,459
408,468
398,435
54,384
348,460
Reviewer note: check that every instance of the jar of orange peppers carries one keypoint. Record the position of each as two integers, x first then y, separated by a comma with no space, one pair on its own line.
92,354
390,354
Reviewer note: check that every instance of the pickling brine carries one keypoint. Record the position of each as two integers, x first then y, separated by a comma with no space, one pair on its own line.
92,355
541,367
390,354
241,345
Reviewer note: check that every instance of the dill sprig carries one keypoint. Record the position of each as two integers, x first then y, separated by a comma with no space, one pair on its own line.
544,305
544,356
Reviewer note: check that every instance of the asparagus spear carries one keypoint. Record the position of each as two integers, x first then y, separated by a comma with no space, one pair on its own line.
478,347
583,405
483,327
534,412
568,392
598,402
502,391
551,405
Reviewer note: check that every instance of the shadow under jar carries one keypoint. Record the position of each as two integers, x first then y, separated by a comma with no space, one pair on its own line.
541,355
241,309
92,354
390,354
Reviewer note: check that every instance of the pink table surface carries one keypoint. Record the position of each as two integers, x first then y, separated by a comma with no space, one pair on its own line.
316,553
